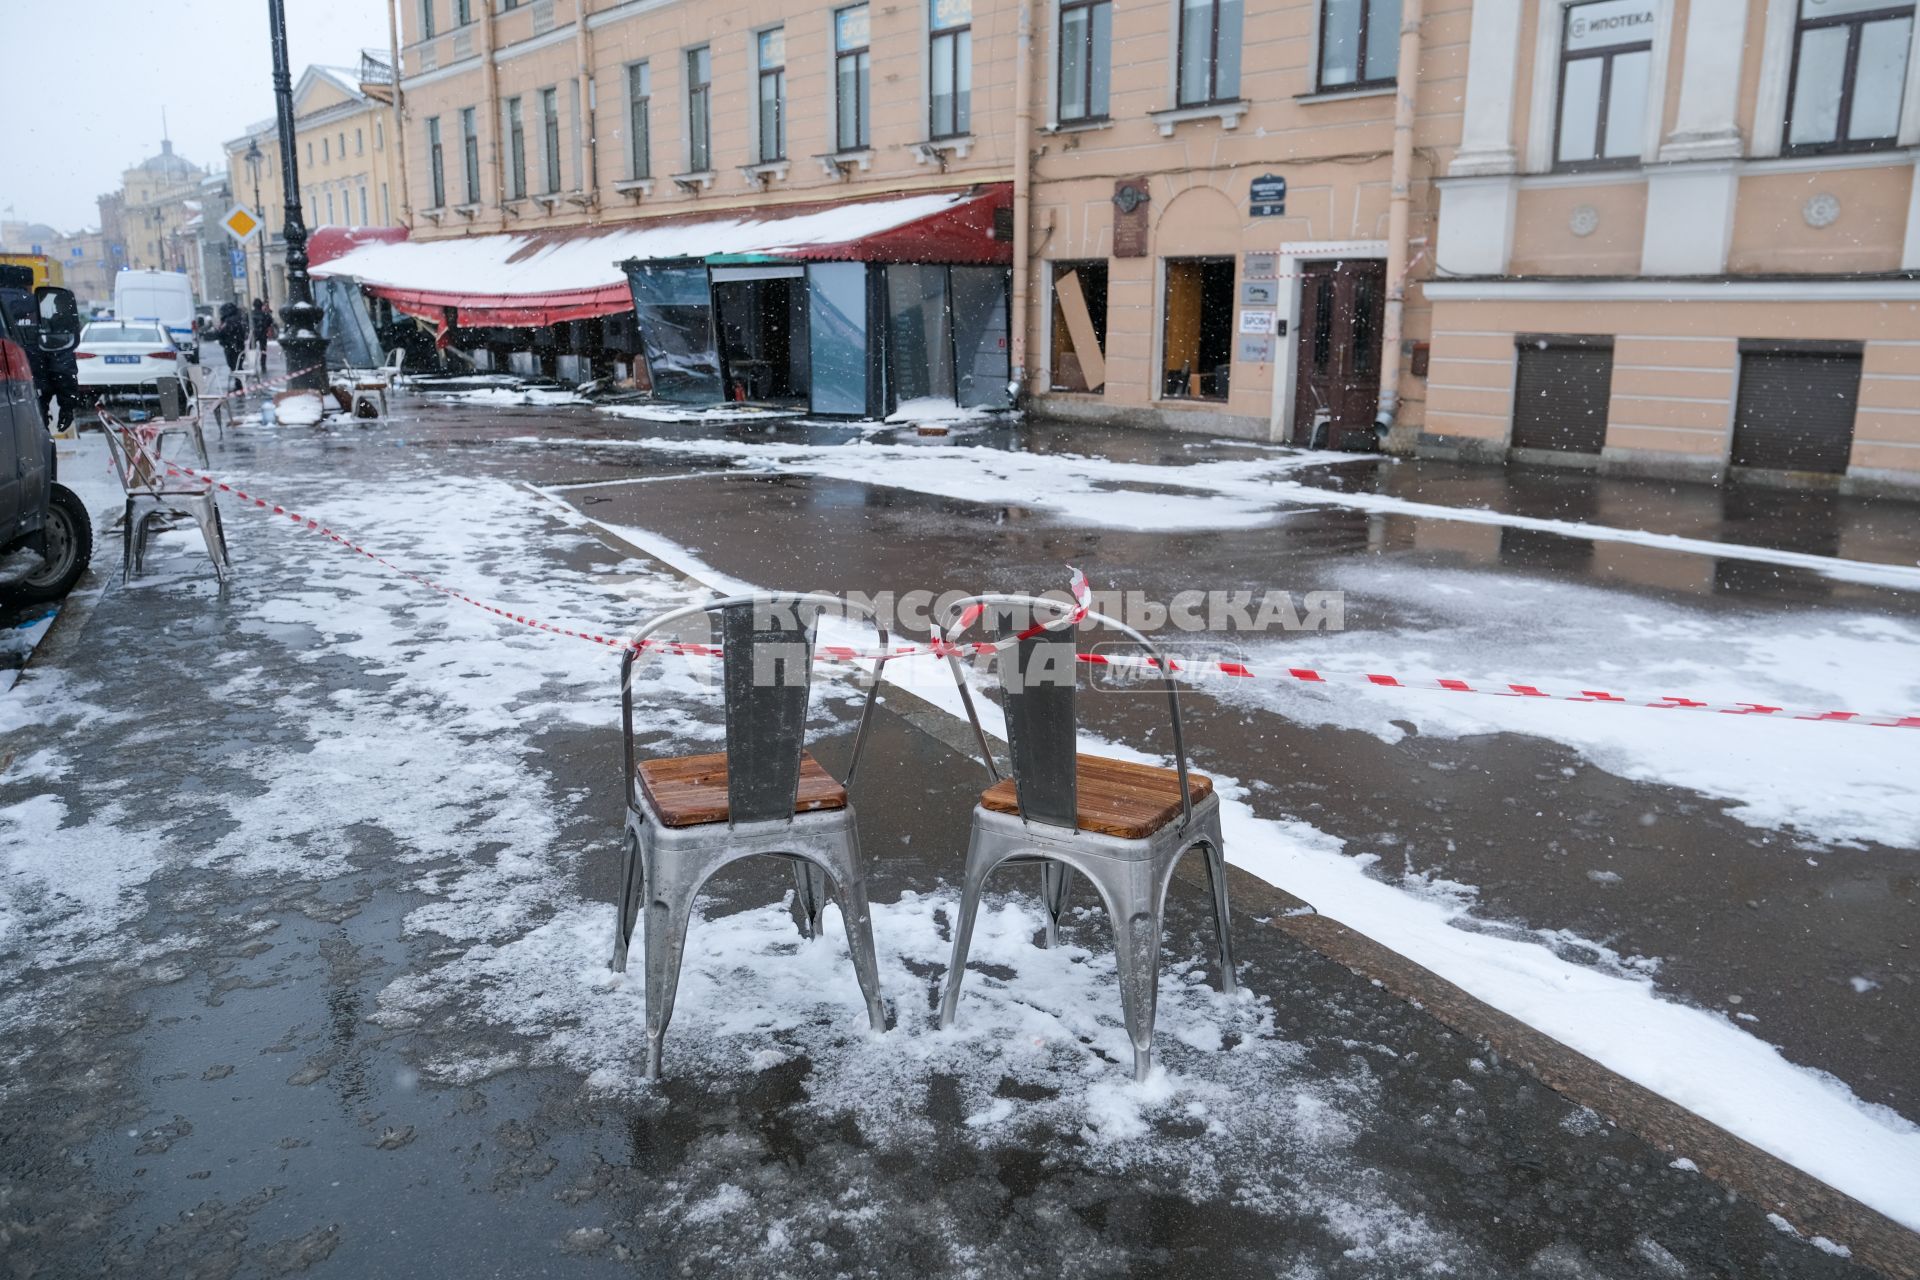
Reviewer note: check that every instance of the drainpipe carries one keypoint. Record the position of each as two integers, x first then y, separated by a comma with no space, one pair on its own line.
583,50
1399,203
491,78
399,113
1022,193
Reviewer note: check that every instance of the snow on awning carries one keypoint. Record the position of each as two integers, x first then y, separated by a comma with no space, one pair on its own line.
545,277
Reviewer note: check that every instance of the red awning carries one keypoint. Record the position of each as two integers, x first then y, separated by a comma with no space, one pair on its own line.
540,278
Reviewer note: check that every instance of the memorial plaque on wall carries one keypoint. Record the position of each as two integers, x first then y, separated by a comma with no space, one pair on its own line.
1130,218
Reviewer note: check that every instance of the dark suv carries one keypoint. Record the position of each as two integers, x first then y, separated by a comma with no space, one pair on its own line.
46,539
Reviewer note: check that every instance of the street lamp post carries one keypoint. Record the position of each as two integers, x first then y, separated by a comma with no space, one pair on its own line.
254,158
305,349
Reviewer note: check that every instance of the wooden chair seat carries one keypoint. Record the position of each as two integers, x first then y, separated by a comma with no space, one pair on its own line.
691,791
1115,797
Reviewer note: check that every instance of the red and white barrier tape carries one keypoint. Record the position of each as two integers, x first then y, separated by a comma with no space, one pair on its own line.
1082,594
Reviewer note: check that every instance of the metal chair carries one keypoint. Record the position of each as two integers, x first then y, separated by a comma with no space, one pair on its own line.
1123,826
689,816
154,493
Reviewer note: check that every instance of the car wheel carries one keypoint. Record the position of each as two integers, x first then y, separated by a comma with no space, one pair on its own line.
69,549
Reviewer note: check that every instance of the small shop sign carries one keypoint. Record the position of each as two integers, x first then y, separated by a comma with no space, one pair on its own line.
1268,196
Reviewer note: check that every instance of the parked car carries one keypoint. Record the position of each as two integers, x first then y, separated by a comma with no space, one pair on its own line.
119,360
164,298
46,539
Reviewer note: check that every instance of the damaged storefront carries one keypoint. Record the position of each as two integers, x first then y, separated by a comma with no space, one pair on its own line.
851,308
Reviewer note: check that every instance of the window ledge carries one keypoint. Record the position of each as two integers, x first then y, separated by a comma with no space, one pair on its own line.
1343,93
840,164
695,182
1227,113
434,214
467,211
764,172
512,207
632,187
940,150
550,200
1078,126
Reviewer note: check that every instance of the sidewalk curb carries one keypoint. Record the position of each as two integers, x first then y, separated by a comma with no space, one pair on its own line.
1813,1207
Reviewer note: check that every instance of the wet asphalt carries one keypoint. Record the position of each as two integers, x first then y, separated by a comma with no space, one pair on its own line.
226,1107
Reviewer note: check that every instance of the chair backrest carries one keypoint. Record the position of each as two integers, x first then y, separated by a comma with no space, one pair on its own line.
135,461
1039,706
172,397
766,653
395,359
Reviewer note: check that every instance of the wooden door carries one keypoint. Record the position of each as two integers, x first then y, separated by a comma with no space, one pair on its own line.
1342,305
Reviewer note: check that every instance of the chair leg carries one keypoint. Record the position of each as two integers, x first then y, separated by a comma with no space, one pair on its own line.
668,909
1217,878
976,882
858,916
810,896
1055,879
627,908
1136,953
126,543
207,516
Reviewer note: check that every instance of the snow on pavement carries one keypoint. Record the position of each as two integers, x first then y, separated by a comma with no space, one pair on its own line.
1231,494
1609,1010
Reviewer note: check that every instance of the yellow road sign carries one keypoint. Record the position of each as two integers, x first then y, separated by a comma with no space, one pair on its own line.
241,224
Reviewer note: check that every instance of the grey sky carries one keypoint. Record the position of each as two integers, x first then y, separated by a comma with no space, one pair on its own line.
87,79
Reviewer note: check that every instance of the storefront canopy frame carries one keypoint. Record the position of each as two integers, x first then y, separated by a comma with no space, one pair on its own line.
539,278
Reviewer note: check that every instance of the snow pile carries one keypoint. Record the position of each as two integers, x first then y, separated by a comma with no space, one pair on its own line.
939,410
1826,781
661,411
498,397
298,409
1077,488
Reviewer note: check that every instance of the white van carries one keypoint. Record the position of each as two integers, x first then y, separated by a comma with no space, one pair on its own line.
161,297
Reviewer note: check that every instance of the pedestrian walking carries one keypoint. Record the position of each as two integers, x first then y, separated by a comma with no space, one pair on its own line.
231,333
260,328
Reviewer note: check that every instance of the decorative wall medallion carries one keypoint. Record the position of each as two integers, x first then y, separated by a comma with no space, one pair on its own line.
1584,220
1821,210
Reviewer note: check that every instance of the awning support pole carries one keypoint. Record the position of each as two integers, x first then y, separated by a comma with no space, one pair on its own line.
399,113
1023,194
1399,202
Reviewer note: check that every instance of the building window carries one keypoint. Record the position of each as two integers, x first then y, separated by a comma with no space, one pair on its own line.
343,144
772,58
309,151
359,142
426,19
386,210
1605,52
550,135
1086,59
1079,326
1849,69
462,12
470,151
364,220
326,150
699,89
1209,52
851,74
1359,43
950,69
436,170
379,136
329,208
639,134
516,152
1198,329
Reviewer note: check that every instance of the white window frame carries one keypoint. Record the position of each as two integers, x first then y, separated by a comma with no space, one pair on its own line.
1776,69
1543,115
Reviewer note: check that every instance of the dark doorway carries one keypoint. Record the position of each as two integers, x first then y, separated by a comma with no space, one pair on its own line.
1560,392
762,315
1337,383
1796,406
1198,340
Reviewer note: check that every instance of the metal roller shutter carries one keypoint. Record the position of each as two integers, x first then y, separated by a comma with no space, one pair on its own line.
1796,406
1560,392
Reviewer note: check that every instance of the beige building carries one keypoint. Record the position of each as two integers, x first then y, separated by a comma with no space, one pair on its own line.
1641,235
348,161
1683,239
157,199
